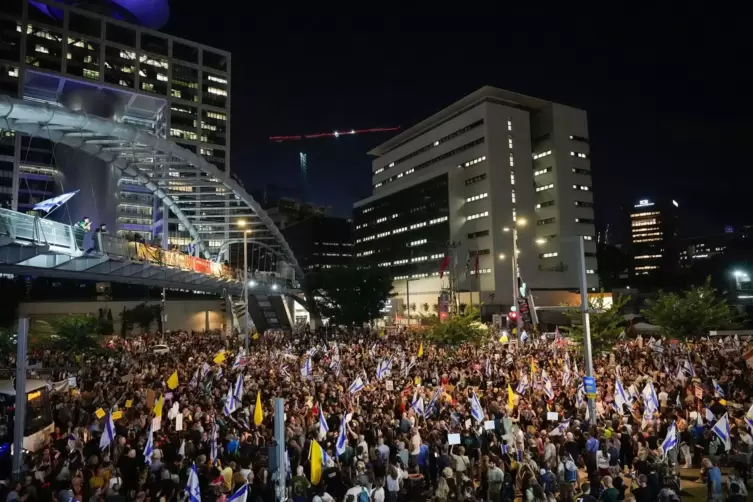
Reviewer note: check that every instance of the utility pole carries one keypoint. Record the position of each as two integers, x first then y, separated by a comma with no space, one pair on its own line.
586,324
280,440
19,421
245,288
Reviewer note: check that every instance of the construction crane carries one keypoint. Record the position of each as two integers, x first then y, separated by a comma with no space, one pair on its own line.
334,134
303,157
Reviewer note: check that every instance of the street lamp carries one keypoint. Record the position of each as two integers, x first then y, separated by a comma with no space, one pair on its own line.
519,222
242,224
740,277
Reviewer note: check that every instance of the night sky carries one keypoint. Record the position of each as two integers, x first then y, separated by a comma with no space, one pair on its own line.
666,92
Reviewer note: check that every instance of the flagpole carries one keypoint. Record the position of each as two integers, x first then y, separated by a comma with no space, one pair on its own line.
586,326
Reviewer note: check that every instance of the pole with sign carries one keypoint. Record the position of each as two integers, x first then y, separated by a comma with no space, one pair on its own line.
587,334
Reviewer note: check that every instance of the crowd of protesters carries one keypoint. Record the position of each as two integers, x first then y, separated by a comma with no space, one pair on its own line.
382,416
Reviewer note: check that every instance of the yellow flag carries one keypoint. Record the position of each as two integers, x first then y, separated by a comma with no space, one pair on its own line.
417,381
129,403
117,415
219,358
504,339
158,406
316,459
421,350
100,413
382,333
258,413
533,366
172,382
510,397
256,336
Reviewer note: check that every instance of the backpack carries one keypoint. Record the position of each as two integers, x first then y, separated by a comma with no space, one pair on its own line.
551,484
363,496
571,472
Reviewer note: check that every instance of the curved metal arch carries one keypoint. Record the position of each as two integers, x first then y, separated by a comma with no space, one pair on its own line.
225,248
33,118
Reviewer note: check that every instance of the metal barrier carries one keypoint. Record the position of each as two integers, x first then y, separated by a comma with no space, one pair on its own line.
20,226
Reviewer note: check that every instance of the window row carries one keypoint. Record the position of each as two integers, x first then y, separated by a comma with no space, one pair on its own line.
477,197
475,179
542,171
414,226
433,144
537,156
472,162
545,187
477,216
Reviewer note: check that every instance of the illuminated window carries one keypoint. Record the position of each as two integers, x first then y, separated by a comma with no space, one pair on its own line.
585,188
579,155
545,187
417,243
542,171
548,255
473,162
542,154
477,216
217,91
477,197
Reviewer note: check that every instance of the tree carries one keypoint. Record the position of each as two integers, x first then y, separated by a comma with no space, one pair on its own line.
104,323
605,322
126,322
76,332
144,315
425,308
349,295
7,341
458,329
694,312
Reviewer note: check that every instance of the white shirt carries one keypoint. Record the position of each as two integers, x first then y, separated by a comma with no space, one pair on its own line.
378,495
415,443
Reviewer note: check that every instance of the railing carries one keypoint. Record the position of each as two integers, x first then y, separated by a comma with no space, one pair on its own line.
32,228
26,227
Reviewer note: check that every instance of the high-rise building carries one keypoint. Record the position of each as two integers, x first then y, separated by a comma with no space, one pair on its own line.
467,180
106,58
320,242
653,239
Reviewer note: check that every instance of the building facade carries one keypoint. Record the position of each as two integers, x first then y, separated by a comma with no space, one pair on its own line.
653,239
321,242
467,180
100,64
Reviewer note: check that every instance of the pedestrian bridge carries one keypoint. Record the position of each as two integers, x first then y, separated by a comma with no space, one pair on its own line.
30,245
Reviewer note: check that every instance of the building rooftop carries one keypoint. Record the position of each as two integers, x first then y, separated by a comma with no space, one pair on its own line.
486,93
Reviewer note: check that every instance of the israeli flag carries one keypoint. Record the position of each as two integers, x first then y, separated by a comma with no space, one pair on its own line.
383,368
523,336
649,397
548,390
334,364
240,359
671,440
579,396
373,351
149,448
234,397
192,487
620,396
340,444
54,203
219,373
108,436
240,495
418,406
522,385
678,401
477,411
194,379
435,397
718,389
688,368
306,369
356,385
722,430
323,427
564,425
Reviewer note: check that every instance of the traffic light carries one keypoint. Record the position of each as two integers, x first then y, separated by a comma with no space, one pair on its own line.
513,316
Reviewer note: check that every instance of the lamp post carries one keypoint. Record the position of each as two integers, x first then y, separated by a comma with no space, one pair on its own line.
242,224
520,222
587,349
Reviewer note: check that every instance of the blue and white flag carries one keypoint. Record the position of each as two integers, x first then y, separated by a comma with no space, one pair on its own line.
718,389
433,402
620,396
306,369
650,398
240,359
721,429
522,385
548,390
580,396
194,379
149,448
108,436
749,418
488,367
688,368
53,203
477,411
234,397
341,439
240,495
323,427
383,368
523,336
192,487
356,385
418,406
671,440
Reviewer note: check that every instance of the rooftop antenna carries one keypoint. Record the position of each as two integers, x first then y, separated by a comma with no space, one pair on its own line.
304,173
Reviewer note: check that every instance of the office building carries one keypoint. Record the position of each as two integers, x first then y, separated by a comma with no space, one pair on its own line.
107,59
653,239
321,242
464,182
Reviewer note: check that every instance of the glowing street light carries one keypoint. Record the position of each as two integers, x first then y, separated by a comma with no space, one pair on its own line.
501,256
540,241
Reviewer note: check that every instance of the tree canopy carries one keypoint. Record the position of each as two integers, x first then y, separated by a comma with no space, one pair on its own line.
605,322
76,332
348,295
460,328
690,313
